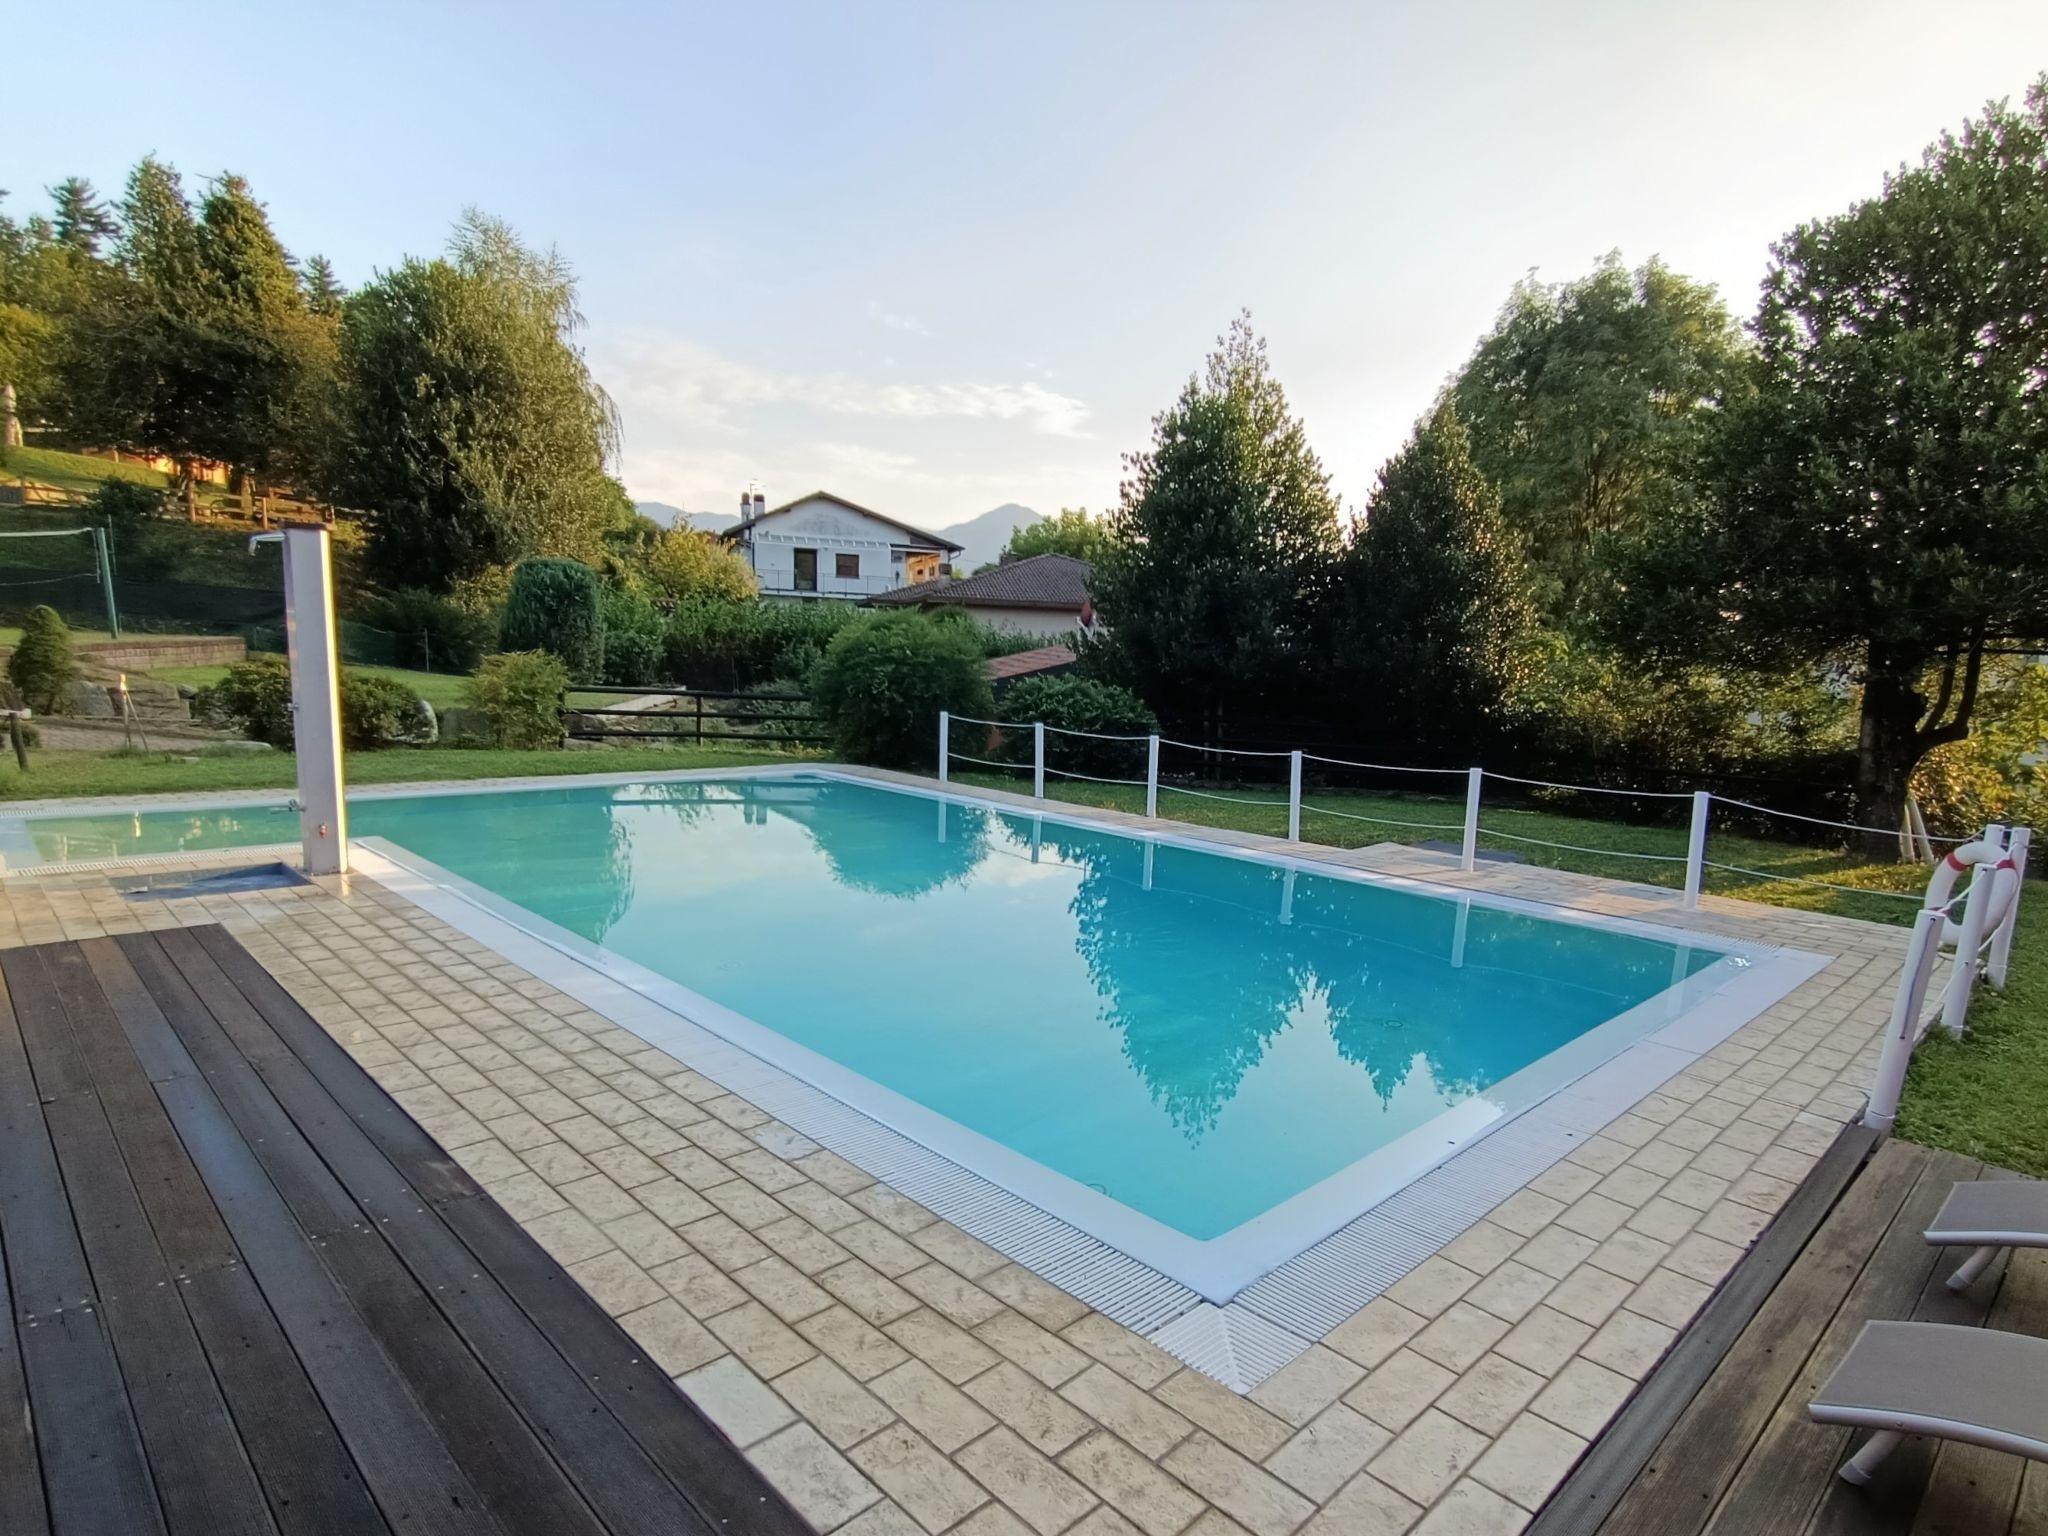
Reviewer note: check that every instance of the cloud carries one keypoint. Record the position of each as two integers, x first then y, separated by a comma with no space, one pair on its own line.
707,389
889,320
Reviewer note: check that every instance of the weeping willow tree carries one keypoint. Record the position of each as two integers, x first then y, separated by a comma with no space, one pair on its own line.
472,431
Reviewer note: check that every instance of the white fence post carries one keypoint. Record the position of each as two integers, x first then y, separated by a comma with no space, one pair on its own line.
1038,759
1294,797
2001,945
1903,1032
1470,857
1955,1003
1151,778
1696,847
945,743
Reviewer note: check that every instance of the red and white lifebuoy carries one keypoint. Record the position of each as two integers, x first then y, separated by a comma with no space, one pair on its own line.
2004,885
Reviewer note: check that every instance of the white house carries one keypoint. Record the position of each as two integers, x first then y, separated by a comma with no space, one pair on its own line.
823,545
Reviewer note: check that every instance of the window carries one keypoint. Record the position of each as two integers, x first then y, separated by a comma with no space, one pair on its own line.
846,567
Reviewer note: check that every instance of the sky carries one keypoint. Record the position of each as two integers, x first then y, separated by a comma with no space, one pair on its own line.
940,256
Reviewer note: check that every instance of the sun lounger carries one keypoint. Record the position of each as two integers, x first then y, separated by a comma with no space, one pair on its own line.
1978,1386
1987,1215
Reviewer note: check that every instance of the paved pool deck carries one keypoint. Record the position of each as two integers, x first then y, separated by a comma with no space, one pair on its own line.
892,1373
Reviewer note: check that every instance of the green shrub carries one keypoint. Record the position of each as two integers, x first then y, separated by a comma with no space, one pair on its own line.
634,651
1079,704
256,695
716,643
520,694
883,682
554,606
41,666
125,500
378,712
432,633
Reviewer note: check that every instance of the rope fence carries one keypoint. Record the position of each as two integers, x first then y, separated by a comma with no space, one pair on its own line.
1471,829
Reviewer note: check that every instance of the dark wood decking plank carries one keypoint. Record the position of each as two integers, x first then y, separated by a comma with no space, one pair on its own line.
159,1053
94,1474
415,1480
46,1265
1704,1448
189,1231
1792,1465
314,1488
686,1445
693,1453
317,1201
21,1480
59,1068
1616,1459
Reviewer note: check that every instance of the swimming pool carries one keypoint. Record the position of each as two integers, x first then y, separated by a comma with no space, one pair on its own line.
1205,1059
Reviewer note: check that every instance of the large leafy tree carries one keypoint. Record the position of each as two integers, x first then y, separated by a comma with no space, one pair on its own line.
1882,506
1587,404
1073,532
1220,549
472,430
1434,614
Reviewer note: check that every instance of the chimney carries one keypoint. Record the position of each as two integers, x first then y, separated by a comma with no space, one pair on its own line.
746,505
760,504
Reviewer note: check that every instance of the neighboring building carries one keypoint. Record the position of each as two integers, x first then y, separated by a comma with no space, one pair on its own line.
1038,595
823,545
1046,661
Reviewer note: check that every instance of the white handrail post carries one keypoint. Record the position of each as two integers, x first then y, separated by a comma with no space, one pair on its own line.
1955,1003
1294,797
1470,857
1895,1053
2001,944
1151,777
1696,847
945,743
1038,759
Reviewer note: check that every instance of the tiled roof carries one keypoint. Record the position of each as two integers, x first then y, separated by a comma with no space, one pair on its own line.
1040,581
1046,658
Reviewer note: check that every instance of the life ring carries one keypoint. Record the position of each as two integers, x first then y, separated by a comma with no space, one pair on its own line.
2005,885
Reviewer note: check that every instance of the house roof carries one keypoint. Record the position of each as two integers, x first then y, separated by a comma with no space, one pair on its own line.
1047,658
1039,581
852,506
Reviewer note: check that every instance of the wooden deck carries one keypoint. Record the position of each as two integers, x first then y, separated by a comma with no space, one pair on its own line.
247,1293
1718,1439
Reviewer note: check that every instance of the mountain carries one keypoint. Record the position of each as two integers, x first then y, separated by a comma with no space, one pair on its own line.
985,536
676,517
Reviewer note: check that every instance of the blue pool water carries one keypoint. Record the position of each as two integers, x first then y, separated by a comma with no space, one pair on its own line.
1187,1048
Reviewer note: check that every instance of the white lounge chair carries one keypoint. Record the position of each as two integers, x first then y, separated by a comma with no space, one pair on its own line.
1987,1215
1978,1386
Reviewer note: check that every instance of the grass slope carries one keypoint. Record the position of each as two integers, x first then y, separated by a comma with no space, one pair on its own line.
441,689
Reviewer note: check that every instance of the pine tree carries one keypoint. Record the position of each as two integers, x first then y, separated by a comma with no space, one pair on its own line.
1221,547
323,290
1434,610
82,218
159,237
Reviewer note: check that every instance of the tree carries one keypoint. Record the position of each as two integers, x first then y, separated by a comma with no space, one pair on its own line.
683,564
1587,405
82,219
1882,506
882,683
41,665
470,425
1434,615
1073,532
555,606
323,289
1220,548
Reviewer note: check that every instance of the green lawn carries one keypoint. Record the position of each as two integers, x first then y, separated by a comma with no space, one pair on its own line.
146,773
73,471
1985,1095
441,689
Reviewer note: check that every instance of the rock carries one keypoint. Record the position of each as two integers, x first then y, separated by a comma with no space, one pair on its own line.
86,701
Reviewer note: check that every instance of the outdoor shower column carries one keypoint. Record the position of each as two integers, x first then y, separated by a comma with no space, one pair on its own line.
316,697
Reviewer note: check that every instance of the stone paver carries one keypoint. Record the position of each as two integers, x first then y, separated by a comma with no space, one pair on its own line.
893,1374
